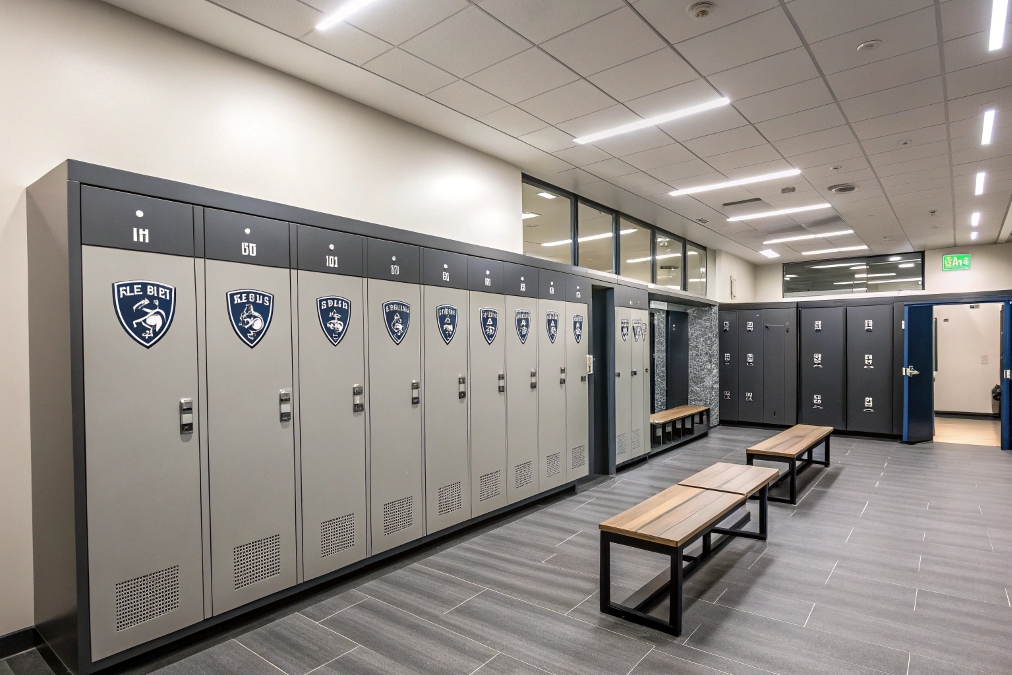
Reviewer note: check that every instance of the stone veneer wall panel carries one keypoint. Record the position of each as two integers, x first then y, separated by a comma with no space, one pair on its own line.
660,358
703,354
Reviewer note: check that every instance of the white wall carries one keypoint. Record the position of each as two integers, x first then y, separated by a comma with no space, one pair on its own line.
966,337
728,265
84,80
769,282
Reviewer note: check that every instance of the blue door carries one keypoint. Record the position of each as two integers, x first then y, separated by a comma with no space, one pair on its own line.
1006,386
918,374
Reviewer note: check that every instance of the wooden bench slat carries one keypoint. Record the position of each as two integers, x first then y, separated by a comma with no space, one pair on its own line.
792,442
737,478
681,412
673,516
650,508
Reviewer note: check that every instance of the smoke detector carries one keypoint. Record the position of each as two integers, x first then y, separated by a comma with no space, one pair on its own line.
842,188
700,10
869,45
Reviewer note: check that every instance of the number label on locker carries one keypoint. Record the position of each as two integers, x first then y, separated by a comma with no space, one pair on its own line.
817,360
818,325
727,358
727,326
868,406
749,326
748,396
749,360
817,401
868,323
868,361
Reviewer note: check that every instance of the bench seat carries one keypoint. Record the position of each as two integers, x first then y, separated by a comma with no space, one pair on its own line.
678,425
790,446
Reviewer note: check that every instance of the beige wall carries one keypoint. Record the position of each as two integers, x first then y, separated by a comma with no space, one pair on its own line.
726,266
967,336
87,81
769,282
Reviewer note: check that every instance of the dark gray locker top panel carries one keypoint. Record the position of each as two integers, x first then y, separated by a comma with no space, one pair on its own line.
393,261
123,220
443,268
777,317
332,252
577,289
626,296
485,275
551,285
237,237
520,280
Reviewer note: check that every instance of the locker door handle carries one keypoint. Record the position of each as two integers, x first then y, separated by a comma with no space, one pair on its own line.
357,399
1008,374
416,397
285,405
618,374
562,371
534,378
502,383
461,387
634,373
186,415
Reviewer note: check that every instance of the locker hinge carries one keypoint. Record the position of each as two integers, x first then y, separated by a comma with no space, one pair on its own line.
186,415
357,399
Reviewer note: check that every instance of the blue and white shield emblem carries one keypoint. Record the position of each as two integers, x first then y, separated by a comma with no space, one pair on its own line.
637,331
624,330
577,327
489,324
552,325
523,321
397,317
251,312
446,316
335,313
145,309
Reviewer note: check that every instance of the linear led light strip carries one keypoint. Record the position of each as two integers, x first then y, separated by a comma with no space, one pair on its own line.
651,121
809,236
342,13
590,237
781,212
988,130
733,183
999,12
658,257
978,188
835,250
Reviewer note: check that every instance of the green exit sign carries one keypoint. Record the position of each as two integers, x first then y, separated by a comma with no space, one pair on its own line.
955,262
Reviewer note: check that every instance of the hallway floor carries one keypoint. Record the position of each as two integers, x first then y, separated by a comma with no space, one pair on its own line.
968,431
898,559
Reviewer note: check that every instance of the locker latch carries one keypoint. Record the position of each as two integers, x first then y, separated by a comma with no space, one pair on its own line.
590,365
415,392
285,402
633,373
562,371
357,402
1008,374
186,415
461,387
727,396
534,378
502,383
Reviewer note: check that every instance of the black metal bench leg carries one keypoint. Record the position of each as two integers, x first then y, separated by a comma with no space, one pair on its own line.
764,495
605,591
707,545
826,463
749,459
675,593
794,480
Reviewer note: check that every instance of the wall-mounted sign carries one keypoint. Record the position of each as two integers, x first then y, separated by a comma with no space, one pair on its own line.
955,262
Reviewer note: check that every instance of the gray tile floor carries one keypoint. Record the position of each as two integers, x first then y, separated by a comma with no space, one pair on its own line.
897,559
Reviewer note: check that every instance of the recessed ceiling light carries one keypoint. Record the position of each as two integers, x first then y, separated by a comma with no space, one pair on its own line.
781,212
769,253
652,121
700,10
905,265
733,183
973,235
869,45
342,13
835,250
527,214
589,237
985,135
547,195
978,188
842,188
809,236
975,218
999,12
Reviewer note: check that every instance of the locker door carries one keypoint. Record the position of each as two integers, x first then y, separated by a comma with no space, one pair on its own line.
144,520
332,400
522,479
638,365
750,366
552,378
869,369
728,339
824,367
447,479
487,392
623,383
577,389
778,375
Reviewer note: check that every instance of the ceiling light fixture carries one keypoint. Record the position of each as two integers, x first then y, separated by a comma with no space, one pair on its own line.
781,212
985,135
547,195
733,183
975,218
652,121
869,45
769,253
663,256
589,237
973,235
905,265
979,186
835,250
527,214
809,236
999,12
342,13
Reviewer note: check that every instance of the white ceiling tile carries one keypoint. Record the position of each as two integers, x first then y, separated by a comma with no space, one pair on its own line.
631,143
610,168
985,77
897,99
625,35
916,137
680,96
897,123
765,75
907,154
539,20
918,176
821,19
900,35
348,43
969,51
568,101
647,74
919,186
932,162
899,70
606,118
636,179
973,106
290,17
817,140
742,158
466,42
398,20
725,141
409,71
750,39
696,169
574,179
928,199
523,76
549,139
790,99
805,122
582,155
515,122
965,17
835,156
658,157
704,124
468,99
826,171
674,23
652,189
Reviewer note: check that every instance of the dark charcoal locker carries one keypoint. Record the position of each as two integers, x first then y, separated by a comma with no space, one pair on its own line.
750,366
824,367
728,366
677,392
779,366
869,369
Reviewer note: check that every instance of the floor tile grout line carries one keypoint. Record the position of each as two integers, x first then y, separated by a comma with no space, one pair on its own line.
826,582
865,507
685,642
357,645
649,651
465,601
452,576
805,625
422,618
916,591
1009,600
259,657
568,538
484,664
320,621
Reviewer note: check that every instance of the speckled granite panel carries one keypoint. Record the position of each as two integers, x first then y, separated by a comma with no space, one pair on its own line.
660,360
704,385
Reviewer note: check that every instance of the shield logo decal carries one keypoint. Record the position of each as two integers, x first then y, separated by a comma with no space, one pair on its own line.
489,324
523,321
251,312
552,325
335,313
446,315
624,330
636,331
397,317
145,309
577,327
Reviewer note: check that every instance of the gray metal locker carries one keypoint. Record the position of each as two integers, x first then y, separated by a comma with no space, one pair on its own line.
394,331
251,448
623,383
779,366
750,366
445,321
639,383
869,369
522,381
552,378
487,390
144,552
727,325
823,365
331,399
577,380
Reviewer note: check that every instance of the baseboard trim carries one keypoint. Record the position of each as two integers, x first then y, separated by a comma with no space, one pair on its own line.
18,641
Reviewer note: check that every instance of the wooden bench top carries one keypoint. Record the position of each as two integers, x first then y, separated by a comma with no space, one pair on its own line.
678,413
792,442
674,516
740,479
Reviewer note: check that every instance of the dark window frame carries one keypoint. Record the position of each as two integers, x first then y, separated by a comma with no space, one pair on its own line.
842,261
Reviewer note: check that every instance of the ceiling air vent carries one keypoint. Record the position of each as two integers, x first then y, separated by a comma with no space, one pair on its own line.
842,188
743,201
700,10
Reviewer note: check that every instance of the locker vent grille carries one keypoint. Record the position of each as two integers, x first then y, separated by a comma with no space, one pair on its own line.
554,464
449,498
256,561
620,444
398,515
488,485
147,597
337,534
636,439
579,456
524,474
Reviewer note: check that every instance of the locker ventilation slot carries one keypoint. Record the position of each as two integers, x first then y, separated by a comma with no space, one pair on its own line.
554,464
398,515
636,439
148,597
337,534
620,444
449,498
256,561
579,456
488,485
524,474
